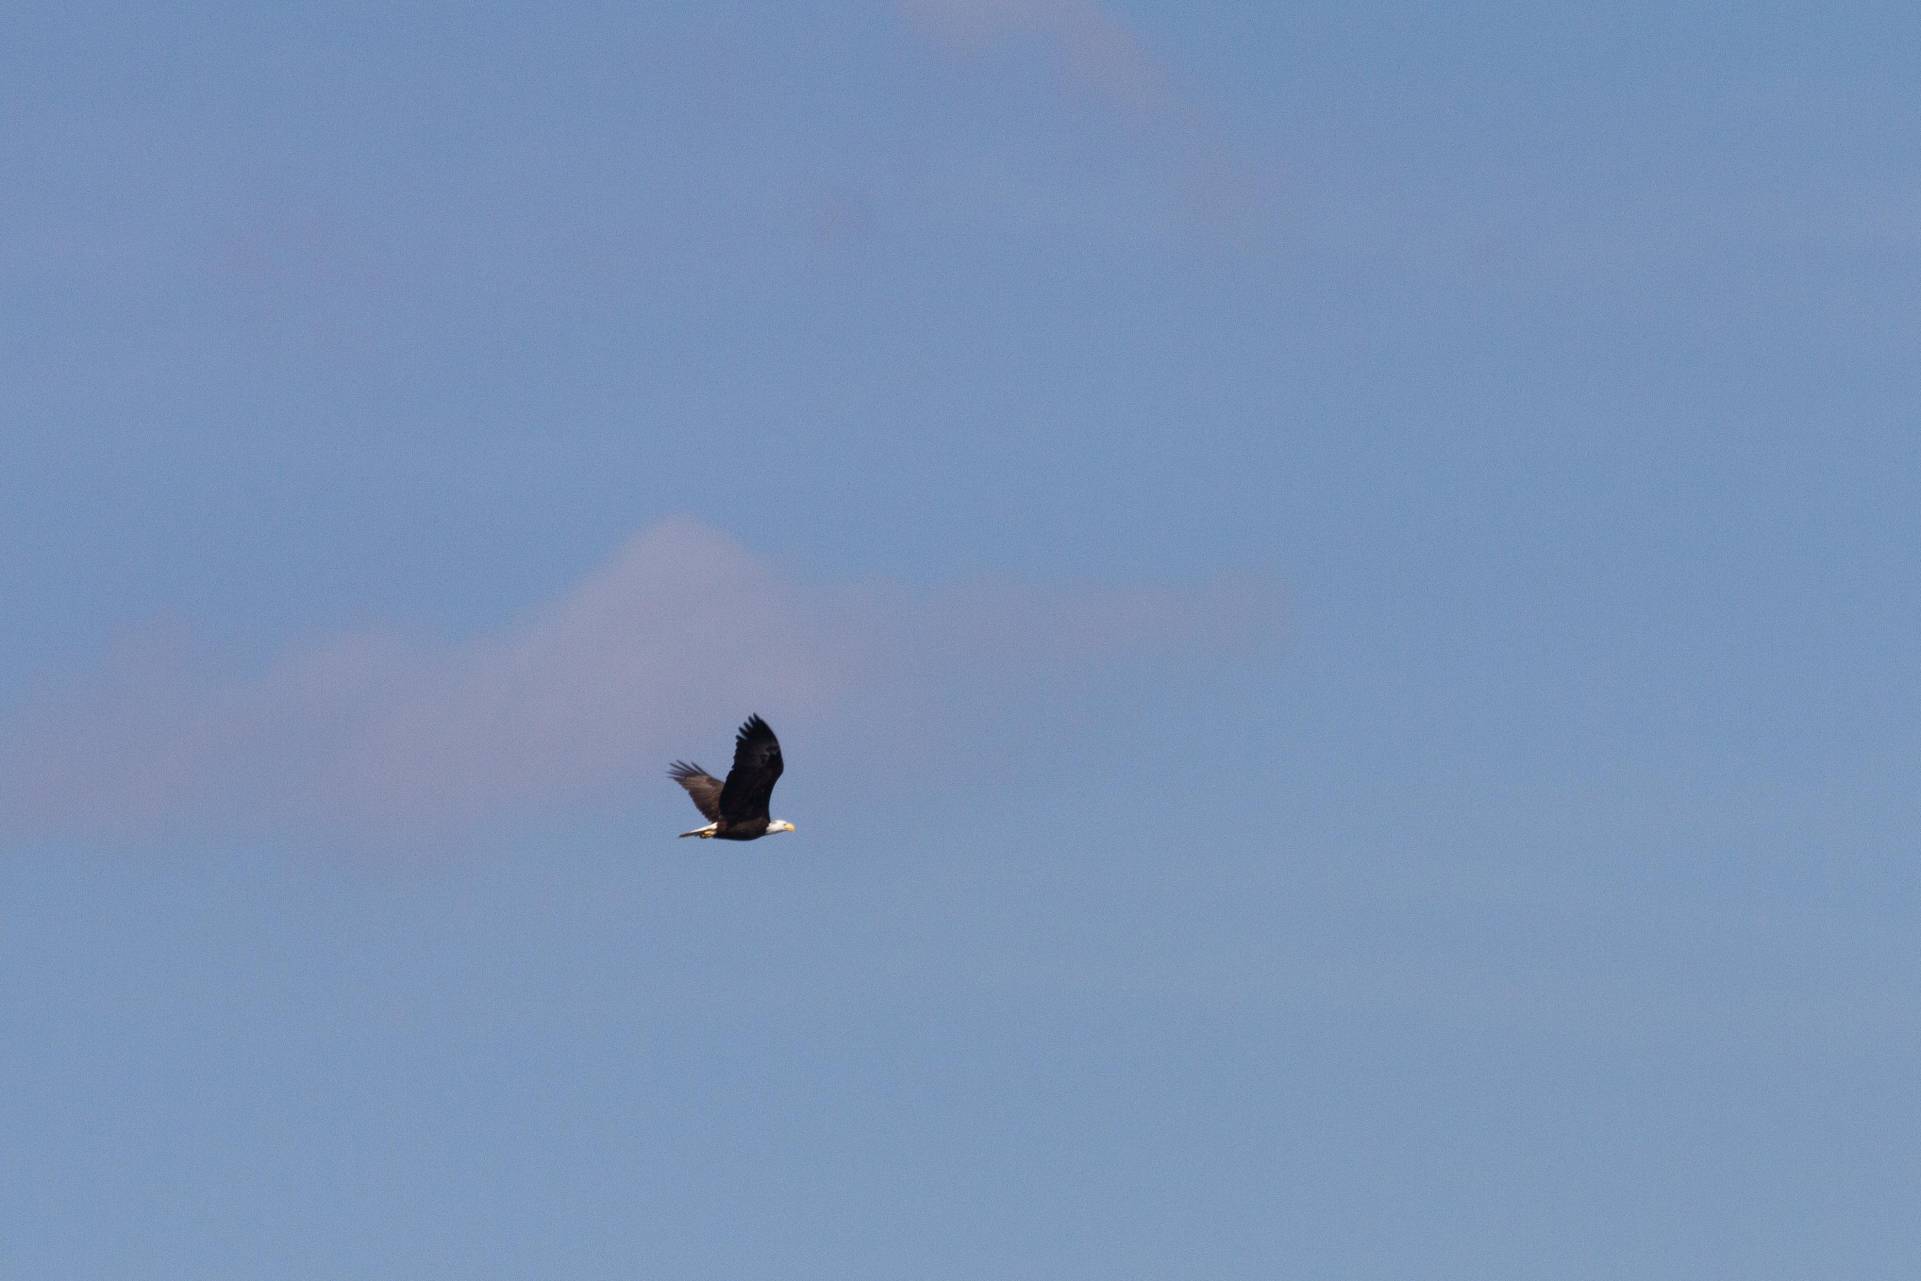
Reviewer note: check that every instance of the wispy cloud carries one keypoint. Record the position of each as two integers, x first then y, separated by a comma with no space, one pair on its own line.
379,733
1175,168
1096,50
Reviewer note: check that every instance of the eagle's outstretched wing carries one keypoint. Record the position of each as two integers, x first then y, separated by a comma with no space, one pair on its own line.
757,767
702,786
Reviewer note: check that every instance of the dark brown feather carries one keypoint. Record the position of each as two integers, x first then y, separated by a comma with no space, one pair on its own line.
757,767
702,786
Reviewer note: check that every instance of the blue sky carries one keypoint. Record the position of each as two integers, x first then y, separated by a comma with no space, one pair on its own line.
1338,581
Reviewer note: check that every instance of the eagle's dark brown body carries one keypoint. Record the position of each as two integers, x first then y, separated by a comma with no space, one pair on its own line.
737,808
748,830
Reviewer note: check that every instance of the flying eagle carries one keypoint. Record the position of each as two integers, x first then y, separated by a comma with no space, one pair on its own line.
737,807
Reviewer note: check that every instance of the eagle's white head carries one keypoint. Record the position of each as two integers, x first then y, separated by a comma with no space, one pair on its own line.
779,825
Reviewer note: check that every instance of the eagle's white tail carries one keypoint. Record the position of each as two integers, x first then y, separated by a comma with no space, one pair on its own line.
703,832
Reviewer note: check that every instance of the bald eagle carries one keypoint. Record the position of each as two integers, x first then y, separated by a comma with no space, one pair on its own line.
737,807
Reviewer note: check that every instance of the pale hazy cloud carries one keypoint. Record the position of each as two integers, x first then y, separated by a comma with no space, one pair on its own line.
379,732
1096,49
1185,172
